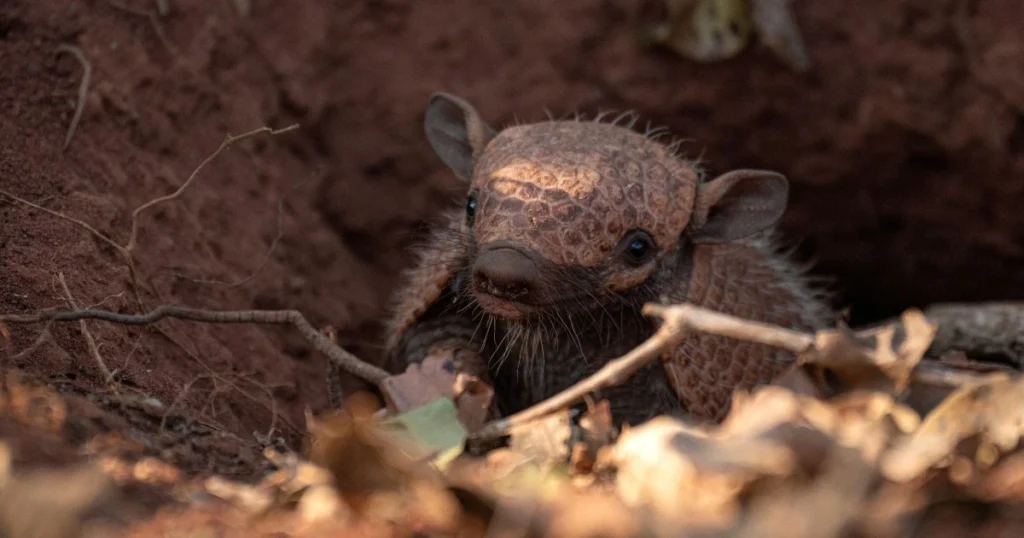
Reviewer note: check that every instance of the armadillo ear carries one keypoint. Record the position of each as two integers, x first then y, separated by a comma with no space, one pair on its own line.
456,132
737,205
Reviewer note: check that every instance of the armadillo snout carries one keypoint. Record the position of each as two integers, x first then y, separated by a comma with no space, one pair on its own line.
505,273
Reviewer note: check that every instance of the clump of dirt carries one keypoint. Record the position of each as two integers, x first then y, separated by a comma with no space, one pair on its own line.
901,144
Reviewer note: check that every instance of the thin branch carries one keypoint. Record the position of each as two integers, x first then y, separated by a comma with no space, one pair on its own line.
345,360
44,337
333,379
678,321
84,225
126,250
83,89
228,142
259,268
218,377
90,342
712,322
669,335
182,394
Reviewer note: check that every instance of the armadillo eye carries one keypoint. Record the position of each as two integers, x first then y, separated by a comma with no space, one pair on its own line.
638,247
471,208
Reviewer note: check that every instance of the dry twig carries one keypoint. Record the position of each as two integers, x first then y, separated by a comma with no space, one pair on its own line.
44,337
127,249
228,142
334,397
90,342
259,268
83,89
678,320
218,377
345,360
670,334
802,344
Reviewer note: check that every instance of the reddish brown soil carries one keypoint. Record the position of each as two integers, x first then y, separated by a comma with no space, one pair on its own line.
905,145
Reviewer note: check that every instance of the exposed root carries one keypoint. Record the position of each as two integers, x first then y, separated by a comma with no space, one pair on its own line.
162,8
227,143
345,360
259,268
218,379
78,222
44,337
83,89
126,251
334,396
90,342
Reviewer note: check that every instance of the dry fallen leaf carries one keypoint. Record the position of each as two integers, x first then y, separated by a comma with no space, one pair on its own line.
812,428
704,30
993,408
1004,482
596,432
715,30
474,399
820,509
49,502
661,463
880,358
449,373
506,476
32,404
774,414
362,459
593,514
321,504
245,497
545,441
421,383
870,421
294,474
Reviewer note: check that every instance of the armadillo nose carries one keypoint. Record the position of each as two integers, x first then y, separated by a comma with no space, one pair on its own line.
505,273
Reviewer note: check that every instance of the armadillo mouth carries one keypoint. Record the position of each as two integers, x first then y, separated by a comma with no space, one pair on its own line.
502,308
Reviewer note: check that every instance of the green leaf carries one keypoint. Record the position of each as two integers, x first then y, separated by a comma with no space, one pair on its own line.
433,428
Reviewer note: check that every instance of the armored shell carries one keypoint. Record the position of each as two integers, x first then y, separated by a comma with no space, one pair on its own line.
570,190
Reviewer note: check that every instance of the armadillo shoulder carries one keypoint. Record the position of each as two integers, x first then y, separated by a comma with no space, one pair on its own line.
426,282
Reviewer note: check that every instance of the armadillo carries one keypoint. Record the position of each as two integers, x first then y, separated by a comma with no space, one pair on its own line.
568,228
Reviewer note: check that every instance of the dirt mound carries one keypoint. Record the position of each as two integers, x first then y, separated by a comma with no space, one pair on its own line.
902,143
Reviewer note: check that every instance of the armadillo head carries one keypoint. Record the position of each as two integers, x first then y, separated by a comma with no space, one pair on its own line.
565,213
